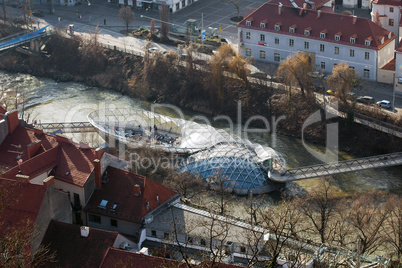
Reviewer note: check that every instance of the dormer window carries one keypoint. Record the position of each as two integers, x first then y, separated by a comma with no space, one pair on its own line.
381,40
306,32
352,40
367,42
262,25
322,35
103,203
389,35
277,27
248,23
291,30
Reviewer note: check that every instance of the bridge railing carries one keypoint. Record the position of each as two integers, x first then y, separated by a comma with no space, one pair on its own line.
346,163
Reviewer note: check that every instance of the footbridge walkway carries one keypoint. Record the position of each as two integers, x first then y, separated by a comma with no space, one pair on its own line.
23,37
73,127
379,161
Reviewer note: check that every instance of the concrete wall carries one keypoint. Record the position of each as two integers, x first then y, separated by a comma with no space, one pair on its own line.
3,130
385,76
384,10
120,239
56,206
89,187
123,227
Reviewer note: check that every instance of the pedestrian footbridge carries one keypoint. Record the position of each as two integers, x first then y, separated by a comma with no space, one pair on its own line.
379,161
23,38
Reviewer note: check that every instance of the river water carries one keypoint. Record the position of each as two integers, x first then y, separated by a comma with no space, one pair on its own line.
49,101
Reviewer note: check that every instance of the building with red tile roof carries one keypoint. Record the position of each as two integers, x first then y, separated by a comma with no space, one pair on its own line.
389,15
273,32
77,246
125,201
31,206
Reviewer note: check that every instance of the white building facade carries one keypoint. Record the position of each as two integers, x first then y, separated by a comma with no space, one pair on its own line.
389,14
174,5
272,33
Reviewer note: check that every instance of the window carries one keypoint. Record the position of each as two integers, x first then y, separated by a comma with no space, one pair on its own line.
322,35
337,37
103,203
306,45
277,57
248,52
277,41
391,22
166,236
291,30
94,218
177,6
336,52
366,55
243,249
322,65
189,239
391,9
291,42
202,242
183,3
306,32
367,42
248,23
352,53
248,35
262,54
262,37
277,27
262,25
113,222
352,40
153,233
322,47
366,73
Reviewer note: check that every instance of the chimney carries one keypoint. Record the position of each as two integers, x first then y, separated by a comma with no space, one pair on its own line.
38,132
318,13
33,148
99,152
98,173
280,8
354,19
12,120
157,199
84,231
48,181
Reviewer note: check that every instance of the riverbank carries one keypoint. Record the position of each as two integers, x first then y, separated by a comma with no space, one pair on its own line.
162,78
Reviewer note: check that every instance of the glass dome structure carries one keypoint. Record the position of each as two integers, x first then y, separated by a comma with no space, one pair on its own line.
244,166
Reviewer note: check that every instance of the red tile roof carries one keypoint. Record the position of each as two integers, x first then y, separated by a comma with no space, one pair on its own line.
301,3
390,66
34,166
388,2
132,193
23,202
14,146
130,259
74,165
332,23
73,250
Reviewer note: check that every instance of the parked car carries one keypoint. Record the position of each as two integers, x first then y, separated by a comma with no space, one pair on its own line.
38,13
331,92
384,104
259,75
153,49
366,100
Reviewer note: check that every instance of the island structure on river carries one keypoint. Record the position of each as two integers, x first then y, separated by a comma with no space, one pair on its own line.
208,152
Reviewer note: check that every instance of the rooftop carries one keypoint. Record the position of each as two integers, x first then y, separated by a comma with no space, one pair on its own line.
128,196
72,249
330,24
387,2
313,4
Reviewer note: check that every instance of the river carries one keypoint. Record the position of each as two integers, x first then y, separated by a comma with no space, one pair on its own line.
49,101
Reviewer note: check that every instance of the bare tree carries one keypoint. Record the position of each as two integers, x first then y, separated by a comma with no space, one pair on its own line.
152,29
164,17
319,207
126,15
237,3
49,4
392,227
342,80
4,5
184,183
377,18
295,69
